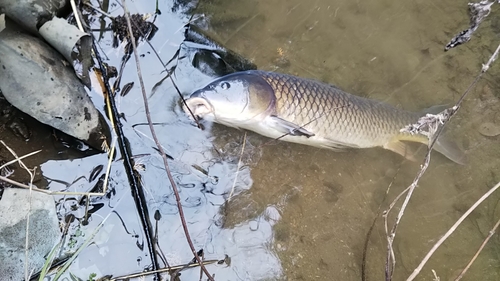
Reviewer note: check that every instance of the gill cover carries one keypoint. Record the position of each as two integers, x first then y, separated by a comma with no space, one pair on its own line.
237,97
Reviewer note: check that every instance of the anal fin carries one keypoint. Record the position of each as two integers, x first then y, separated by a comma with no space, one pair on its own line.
337,145
402,149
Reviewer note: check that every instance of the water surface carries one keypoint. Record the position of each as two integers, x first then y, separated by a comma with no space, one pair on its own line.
297,212
390,51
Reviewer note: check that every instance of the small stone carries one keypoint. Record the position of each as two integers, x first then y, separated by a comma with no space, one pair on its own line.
489,129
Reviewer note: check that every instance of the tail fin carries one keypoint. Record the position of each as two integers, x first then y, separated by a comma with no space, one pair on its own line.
450,149
445,145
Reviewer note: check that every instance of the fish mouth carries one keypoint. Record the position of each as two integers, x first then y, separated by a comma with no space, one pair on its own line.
198,107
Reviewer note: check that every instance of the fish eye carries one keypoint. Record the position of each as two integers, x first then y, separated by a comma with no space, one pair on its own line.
225,85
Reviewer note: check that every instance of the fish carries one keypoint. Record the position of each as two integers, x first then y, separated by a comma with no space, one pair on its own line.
309,112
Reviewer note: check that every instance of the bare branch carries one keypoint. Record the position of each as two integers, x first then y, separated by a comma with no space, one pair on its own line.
450,231
160,148
430,125
492,231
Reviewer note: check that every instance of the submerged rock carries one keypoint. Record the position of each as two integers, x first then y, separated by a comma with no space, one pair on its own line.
211,57
489,129
15,207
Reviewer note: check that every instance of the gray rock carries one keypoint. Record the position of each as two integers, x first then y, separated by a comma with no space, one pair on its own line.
44,231
38,81
31,14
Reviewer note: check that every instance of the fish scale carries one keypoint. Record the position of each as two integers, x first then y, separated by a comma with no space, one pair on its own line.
335,113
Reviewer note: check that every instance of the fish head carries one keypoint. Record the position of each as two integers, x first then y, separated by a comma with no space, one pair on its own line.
233,100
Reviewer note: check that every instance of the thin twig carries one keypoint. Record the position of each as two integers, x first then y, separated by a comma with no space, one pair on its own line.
492,231
170,72
185,104
98,10
390,251
450,231
372,227
13,182
436,277
77,18
133,177
49,192
26,242
111,150
238,167
20,158
160,148
390,258
175,267
7,180
435,125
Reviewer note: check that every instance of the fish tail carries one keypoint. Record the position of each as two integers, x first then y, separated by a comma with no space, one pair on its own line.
450,149
445,145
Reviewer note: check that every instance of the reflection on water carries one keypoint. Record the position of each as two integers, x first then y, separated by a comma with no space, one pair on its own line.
297,212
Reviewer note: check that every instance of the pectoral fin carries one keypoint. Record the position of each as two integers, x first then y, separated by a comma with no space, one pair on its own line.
287,127
402,148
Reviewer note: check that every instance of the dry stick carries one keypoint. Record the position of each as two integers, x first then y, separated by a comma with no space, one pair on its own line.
19,158
451,230
163,270
434,131
32,187
391,259
436,277
385,214
160,148
108,107
132,175
26,242
372,227
77,18
492,231
432,136
7,180
18,184
238,167
98,10
170,72
196,120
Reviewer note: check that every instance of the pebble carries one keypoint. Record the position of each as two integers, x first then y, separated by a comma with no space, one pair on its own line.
489,129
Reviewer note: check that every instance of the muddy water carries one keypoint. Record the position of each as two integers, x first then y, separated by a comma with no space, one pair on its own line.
326,201
296,212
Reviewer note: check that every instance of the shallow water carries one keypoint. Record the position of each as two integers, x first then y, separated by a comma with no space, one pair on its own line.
386,50
297,212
